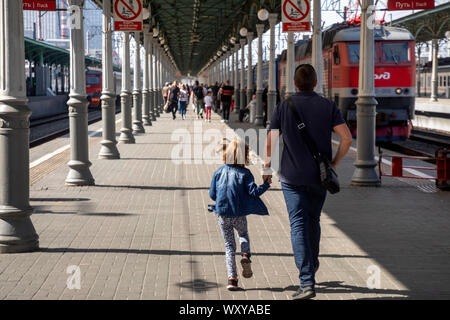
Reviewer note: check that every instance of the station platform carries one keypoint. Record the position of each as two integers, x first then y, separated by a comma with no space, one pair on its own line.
144,232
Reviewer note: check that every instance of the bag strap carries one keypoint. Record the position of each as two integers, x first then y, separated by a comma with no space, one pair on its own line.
303,130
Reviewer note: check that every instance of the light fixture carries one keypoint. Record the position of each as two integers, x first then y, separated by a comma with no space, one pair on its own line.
224,48
155,32
243,32
263,14
145,14
447,34
232,40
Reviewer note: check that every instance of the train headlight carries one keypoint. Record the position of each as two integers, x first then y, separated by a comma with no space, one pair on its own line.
398,90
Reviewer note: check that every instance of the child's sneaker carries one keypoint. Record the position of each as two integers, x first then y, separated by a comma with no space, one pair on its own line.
246,266
232,284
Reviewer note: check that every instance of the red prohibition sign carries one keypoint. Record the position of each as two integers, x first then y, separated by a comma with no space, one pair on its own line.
303,15
124,2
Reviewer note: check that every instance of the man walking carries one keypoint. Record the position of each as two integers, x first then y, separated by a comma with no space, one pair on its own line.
299,174
226,94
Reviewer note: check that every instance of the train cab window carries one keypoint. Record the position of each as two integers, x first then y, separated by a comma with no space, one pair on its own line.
92,80
336,56
353,50
395,52
445,81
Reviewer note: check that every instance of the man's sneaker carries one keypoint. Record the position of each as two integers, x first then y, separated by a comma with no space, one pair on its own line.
304,293
232,284
246,267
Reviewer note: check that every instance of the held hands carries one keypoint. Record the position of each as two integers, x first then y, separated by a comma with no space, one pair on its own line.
267,174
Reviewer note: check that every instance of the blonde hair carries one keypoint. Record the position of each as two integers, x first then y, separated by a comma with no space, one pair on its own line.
235,152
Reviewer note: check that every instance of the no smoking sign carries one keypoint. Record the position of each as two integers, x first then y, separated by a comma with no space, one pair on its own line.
296,15
127,15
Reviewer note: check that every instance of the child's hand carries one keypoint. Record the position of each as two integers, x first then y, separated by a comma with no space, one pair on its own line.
267,179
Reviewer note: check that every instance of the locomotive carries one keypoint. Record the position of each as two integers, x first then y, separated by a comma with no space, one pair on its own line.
394,75
94,86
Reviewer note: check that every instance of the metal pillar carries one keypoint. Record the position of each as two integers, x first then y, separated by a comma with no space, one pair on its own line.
317,59
79,173
151,78
259,86
146,120
290,66
236,79
434,72
126,132
108,98
365,174
17,233
272,93
137,90
243,93
155,79
250,75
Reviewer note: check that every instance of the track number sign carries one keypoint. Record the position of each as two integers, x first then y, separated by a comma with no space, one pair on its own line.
410,4
39,5
128,15
296,15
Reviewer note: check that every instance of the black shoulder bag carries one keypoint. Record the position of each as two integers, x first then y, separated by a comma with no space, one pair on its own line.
328,176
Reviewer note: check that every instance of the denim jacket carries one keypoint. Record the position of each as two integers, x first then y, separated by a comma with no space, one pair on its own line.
235,192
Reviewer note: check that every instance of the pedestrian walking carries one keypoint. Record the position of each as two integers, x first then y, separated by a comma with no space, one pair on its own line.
172,99
165,91
225,96
236,195
183,100
198,95
299,173
208,105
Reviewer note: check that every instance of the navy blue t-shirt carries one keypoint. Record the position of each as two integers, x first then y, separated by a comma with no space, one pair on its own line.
320,116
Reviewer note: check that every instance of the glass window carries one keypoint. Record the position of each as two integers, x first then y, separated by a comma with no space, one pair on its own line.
395,52
353,49
92,80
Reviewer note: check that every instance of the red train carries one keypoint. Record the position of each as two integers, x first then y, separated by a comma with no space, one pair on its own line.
394,76
94,86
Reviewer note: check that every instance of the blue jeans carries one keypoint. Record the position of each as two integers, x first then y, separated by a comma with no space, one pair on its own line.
304,205
182,107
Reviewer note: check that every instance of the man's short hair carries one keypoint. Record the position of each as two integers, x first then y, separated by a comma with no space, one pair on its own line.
305,77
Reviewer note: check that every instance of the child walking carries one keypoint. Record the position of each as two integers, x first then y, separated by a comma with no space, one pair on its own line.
208,105
236,195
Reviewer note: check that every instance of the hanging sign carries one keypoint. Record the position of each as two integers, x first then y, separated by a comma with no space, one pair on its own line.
410,4
128,15
296,15
39,5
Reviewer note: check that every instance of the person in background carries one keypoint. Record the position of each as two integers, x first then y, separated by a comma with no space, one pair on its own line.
165,91
225,96
208,105
172,99
198,95
183,101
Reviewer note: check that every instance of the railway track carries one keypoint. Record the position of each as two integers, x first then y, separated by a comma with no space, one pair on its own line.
422,143
93,116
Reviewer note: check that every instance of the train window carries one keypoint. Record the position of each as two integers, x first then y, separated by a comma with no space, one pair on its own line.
337,58
440,81
92,80
353,50
445,81
395,52
448,80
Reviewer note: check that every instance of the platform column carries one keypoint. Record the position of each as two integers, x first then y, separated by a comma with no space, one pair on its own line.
272,90
126,132
17,233
365,174
434,72
155,78
151,76
290,66
243,93
108,149
317,59
250,75
146,121
137,90
236,79
79,173
259,83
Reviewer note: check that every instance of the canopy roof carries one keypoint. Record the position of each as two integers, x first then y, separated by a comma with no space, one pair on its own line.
195,30
427,24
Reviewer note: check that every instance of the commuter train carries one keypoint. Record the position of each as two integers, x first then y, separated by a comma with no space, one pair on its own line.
94,86
424,78
394,76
